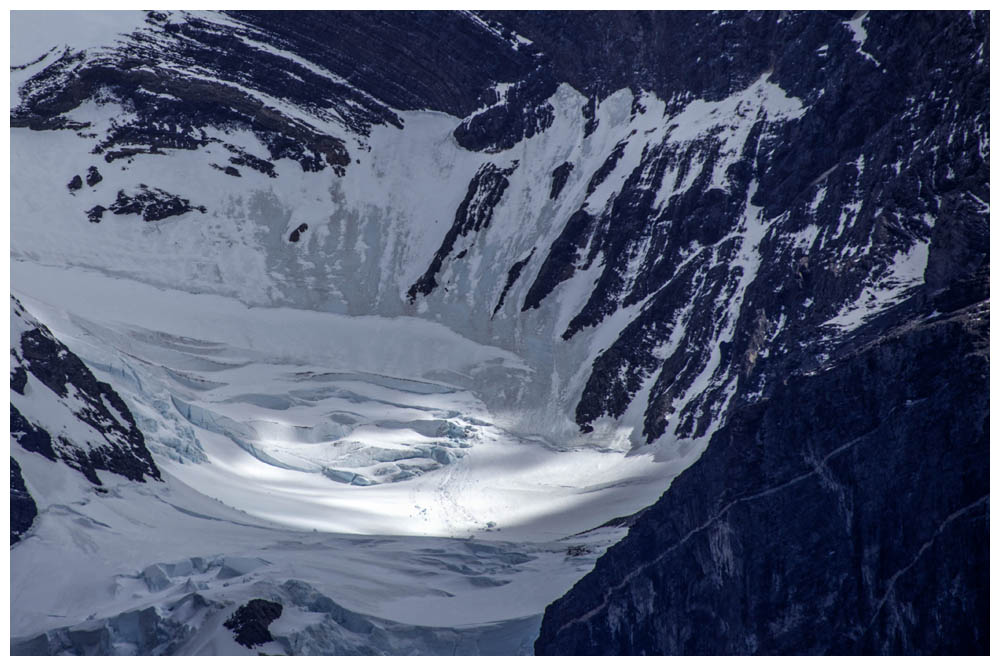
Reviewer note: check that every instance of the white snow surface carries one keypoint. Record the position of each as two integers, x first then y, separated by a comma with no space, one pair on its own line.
152,545
466,554
317,391
33,32
859,34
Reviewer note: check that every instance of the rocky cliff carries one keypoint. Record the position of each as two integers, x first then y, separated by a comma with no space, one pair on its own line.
846,514
843,508
59,410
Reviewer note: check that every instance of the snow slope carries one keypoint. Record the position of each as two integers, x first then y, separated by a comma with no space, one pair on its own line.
249,413
296,400
191,559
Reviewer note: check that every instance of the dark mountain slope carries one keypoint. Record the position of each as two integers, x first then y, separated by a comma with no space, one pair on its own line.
847,514
22,505
61,411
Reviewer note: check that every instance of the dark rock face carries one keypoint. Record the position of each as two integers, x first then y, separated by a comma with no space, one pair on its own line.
18,379
117,445
30,437
297,232
710,54
75,183
474,213
229,170
152,203
243,158
409,66
171,108
512,275
691,253
609,165
93,176
559,176
518,113
96,214
842,507
22,507
561,262
250,622
400,57
847,514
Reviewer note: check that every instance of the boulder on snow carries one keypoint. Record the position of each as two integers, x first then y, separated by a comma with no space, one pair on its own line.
250,622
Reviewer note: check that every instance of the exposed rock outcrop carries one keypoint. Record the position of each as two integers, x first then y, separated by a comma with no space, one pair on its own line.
847,514
50,384
22,507
250,622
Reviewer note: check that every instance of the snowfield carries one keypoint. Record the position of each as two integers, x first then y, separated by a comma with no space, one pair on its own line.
369,425
351,456
192,559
